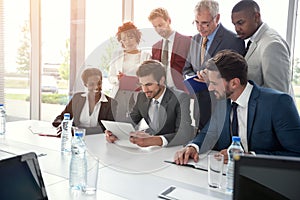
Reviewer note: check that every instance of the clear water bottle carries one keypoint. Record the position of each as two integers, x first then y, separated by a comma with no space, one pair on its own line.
66,134
2,120
78,164
234,149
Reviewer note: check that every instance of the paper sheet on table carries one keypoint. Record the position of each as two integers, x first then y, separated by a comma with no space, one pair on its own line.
44,130
178,193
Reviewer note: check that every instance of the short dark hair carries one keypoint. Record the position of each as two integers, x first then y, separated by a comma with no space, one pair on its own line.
230,65
153,67
246,5
88,72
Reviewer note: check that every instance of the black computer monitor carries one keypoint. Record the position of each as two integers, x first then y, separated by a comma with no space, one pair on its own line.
21,178
266,177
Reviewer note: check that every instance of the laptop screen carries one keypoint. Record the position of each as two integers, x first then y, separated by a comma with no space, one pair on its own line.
266,177
21,178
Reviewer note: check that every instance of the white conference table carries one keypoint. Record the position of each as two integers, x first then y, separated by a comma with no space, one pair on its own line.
124,173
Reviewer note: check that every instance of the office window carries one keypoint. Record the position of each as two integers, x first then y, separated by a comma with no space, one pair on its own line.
55,62
15,58
102,22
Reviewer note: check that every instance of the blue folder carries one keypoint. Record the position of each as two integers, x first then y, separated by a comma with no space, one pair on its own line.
194,86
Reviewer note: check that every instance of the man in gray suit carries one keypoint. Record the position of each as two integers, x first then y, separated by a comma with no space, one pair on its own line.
268,56
166,111
207,19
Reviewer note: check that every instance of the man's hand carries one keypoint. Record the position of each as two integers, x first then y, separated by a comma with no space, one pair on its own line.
143,139
182,156
202,76
224,152
110,137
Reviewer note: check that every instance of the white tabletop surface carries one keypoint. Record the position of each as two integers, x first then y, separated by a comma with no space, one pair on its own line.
124,173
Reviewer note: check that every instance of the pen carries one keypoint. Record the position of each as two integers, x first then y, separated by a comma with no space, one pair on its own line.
187,165
190,165
48,135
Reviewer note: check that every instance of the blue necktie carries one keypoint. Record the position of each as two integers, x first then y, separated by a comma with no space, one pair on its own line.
234,122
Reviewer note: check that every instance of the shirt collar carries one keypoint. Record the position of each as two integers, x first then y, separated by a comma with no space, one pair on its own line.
252,38
171,37
161,97
212,35
243,99
102,98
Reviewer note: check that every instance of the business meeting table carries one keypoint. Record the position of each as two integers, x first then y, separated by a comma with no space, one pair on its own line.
124,173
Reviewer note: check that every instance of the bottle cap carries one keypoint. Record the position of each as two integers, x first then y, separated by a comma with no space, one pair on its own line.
67,116
1,104
236,138
79,134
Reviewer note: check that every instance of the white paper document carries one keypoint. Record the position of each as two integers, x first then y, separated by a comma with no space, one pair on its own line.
121,130
178,193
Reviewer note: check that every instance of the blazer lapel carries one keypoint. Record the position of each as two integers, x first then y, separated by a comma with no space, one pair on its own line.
253,45
251,110
216,42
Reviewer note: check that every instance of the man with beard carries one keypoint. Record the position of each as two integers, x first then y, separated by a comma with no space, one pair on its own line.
268,120
165,110
171,50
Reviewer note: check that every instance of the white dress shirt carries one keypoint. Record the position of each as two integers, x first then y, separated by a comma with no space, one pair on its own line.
169,79
151,114
87,120
242,114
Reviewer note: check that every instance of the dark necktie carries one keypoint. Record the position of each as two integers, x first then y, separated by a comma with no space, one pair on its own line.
234,122
155,120
203,48
248,45
165,53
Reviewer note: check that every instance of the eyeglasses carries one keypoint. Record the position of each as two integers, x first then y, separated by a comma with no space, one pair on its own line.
203,24
146,84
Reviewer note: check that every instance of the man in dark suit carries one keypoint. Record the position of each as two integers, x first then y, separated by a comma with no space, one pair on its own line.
217,38
268,120
177,47
166,111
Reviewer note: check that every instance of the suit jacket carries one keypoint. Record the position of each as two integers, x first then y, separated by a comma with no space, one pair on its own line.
75,105
268,59
224,39
273,124
180,50
175,119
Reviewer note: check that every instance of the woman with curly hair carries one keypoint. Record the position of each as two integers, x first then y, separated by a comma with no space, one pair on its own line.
124,66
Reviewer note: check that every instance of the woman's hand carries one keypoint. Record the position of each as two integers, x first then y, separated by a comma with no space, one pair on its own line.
120,75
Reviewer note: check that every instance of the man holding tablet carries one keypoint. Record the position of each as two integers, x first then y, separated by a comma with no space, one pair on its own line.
165,110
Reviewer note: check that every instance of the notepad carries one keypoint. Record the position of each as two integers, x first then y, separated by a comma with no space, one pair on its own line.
194,86
129,83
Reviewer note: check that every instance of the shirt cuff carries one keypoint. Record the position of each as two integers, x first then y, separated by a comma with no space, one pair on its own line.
194,145
164,141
